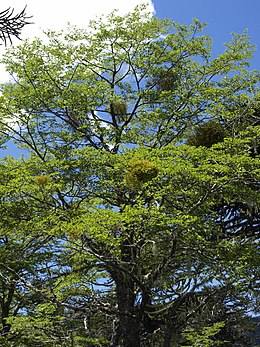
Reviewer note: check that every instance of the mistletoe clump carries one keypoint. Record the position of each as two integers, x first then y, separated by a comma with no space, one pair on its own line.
140,171
207,134
119,108
42,180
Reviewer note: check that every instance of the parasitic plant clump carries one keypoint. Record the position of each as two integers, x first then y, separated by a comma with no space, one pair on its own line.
42,180
140,171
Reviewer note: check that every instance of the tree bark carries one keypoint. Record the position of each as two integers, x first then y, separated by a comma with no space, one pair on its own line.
128,315
5,308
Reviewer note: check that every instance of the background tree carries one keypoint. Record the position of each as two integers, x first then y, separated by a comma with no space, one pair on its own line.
11,25
138,242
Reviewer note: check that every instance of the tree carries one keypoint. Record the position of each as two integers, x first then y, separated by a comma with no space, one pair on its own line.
12,25
26,253
135,214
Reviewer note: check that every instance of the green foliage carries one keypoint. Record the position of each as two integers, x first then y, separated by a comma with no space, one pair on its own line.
129,212
207,134
42,180
204,338
140,171
119,108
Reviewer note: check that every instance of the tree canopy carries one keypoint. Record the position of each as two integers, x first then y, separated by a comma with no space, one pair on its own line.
132,217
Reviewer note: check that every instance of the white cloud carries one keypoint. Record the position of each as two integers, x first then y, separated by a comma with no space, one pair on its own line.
55,14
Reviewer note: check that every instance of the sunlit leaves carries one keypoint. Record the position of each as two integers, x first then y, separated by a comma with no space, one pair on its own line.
139,190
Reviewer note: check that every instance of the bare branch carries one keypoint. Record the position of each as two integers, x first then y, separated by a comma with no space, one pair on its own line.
12,24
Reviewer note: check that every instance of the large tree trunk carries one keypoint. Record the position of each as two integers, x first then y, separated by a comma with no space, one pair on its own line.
6,301
129,319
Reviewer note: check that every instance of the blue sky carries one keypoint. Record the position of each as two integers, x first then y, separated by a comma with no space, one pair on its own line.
222,16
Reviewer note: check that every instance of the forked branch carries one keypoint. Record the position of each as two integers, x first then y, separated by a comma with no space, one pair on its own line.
11,24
